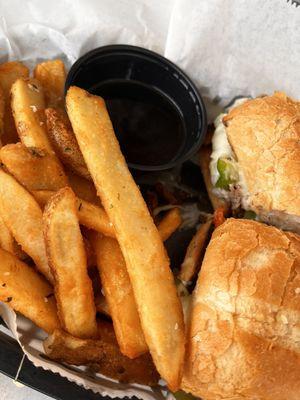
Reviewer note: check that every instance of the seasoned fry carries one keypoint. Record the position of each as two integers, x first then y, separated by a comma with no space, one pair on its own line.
91,216
146,259
23,217
64,142
119,295
191,262
28,106
52,75
83,188
67,258
27,292
33,168
170,223
102,305
2,114
9,73
7,241
103,355
118,288
204,160
89,251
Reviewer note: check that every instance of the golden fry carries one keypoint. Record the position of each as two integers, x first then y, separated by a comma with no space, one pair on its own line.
83,188
64,142
170,223
33,168
67,258
146,259
52,75
103,355
89,251
23,217
91,216
9,73
191,262
27,292
102,305
119,295
28,104
118,289
204,159
7,241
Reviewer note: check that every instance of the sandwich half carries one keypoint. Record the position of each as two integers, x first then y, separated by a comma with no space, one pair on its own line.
255,160
243,339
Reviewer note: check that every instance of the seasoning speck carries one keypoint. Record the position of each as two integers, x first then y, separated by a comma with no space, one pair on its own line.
33,87
80,206
34,108
4,285
9,299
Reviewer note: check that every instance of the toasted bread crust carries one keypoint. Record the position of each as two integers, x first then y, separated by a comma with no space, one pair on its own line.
265,136
243,340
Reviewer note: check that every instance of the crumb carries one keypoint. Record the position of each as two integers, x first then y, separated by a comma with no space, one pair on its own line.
297,290
34,108
6,273
45,299
176,326
33,87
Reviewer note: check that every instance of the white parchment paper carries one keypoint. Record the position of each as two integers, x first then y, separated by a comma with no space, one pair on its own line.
228,47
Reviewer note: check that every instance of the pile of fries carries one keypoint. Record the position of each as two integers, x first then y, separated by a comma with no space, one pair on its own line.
80,254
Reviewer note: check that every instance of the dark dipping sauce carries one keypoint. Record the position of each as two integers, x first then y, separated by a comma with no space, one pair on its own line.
147,123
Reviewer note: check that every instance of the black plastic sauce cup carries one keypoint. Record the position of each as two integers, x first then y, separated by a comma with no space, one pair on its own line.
158,115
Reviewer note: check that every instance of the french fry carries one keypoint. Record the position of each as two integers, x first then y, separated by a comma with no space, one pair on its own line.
64,142
52,75
89,251
83,188
28,104
90,215
118,288
9,73
23,217
169,224
119,295
102,305
7,241
191,262
67,258
204,159
2,114
103,355
25,291
33,168
146,259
